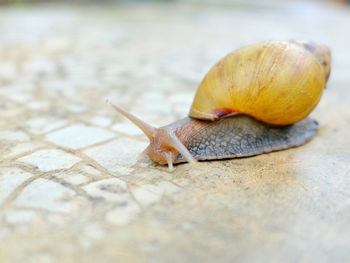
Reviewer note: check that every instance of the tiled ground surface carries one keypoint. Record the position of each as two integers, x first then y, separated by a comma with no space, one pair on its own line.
71,187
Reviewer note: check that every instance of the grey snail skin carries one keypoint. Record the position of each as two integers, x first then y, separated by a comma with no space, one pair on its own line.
253,101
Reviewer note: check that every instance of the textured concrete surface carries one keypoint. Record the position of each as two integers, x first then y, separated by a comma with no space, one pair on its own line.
71,187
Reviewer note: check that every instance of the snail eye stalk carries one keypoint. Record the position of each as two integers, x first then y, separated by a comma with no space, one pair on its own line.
147,129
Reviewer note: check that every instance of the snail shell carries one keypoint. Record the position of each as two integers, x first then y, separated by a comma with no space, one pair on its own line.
277,82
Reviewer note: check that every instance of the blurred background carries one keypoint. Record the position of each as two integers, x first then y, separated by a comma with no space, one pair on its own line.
60,61
104,46
118,1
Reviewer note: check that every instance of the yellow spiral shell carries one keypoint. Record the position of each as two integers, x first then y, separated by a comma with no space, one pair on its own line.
277,82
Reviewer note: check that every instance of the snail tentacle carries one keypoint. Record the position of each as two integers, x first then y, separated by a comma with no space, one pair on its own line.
147,129
175,142
169,157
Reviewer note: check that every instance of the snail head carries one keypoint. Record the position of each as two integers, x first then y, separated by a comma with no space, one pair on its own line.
164,145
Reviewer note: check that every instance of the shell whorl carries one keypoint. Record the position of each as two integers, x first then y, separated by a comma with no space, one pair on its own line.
277,82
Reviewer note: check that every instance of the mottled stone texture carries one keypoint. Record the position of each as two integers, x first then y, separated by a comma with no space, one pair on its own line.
71,186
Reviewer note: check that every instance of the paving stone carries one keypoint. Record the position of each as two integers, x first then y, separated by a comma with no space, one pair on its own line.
41,125
112,189
19,216
48,160
41,66
7,70
19,96
10,179
183,182
38,105
91,233
22,148
127,128
168,188
79,136
147,194
14,136
148,175
123,151
46,194
4,233
74,179
121,170
90,170
124,214
101,121
77,108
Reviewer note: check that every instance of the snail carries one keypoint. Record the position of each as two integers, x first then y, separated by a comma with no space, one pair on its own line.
253,101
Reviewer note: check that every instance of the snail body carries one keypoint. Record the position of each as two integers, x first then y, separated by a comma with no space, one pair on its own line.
213,141
269,87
